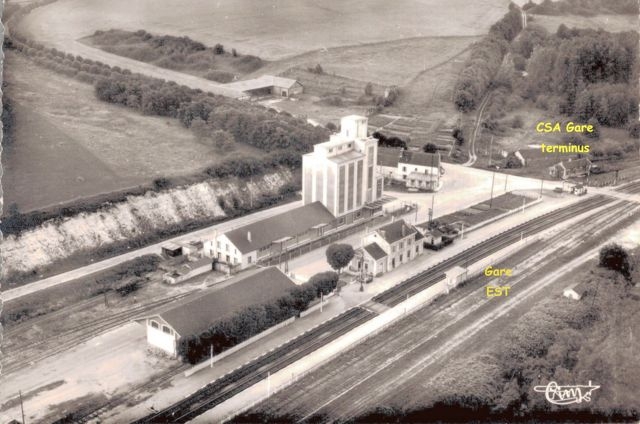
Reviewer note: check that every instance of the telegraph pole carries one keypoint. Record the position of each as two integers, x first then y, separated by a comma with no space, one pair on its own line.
493,179
490,146
541,184
505,182
21,407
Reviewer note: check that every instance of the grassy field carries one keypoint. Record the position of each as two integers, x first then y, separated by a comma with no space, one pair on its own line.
612,23
68,145
269,29
176,53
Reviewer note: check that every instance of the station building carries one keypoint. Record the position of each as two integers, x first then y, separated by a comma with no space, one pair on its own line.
387,248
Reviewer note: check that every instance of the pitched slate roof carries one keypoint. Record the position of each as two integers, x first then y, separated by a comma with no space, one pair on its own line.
288,224
576,163
395,231
389,157
420,158
199,312
375,251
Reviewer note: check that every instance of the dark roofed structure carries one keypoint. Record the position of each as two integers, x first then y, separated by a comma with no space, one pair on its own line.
389,157
420,158
395,231
261,234
375,251
199,312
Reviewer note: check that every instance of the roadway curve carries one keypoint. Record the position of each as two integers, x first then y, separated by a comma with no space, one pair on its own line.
75,47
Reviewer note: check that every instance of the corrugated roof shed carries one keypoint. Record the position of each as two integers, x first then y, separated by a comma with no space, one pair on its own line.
287,224
265,81
199,312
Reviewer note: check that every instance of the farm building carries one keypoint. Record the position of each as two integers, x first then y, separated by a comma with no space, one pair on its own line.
244,246
197,313
416,169
388,247
571,169
267,85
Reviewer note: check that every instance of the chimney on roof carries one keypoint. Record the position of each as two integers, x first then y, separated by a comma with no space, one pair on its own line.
403,234
249,236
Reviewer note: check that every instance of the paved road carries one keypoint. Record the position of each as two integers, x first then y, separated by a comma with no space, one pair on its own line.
151,249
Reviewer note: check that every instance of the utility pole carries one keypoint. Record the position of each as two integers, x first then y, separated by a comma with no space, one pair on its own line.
321,300
541,184
268,383
490,151
493,179
211,356
433,196
21,406
523,202
506,178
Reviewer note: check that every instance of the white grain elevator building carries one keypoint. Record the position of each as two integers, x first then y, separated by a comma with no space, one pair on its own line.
342,172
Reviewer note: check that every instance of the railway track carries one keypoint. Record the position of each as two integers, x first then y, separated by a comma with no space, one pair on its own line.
240,379
419,282
632,188
19,356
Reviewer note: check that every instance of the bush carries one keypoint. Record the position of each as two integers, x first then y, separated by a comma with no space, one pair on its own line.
218,49
430,148
616,258
634,129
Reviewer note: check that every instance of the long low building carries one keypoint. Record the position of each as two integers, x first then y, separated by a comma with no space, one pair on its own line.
197,313
243,247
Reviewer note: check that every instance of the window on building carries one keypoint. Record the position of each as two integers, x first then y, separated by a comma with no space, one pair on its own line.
404,177
154,324
349,145
166,329
219,255
249,259
330,150
416,169
408,254
235,260
401,245
404,169
401,257
235,251
228,259
393,249
226,247
417,249
218,244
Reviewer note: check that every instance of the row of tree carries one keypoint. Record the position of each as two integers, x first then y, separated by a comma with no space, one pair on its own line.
252,124
589,74
485,60
254,319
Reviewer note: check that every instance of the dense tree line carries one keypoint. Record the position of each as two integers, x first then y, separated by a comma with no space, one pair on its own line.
583,7
180,53
389,141
254,319
587,74
257,126
485,60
